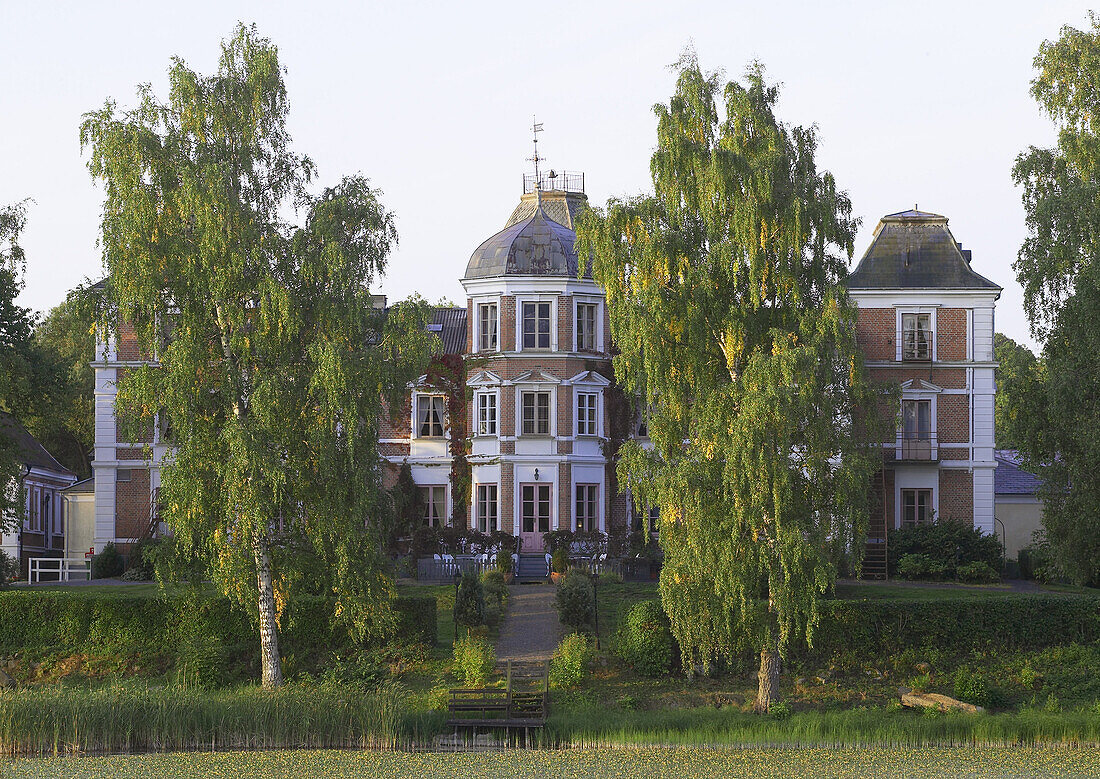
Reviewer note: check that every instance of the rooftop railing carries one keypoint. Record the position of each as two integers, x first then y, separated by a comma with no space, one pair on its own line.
553,181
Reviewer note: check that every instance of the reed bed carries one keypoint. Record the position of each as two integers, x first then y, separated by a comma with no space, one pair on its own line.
59,720
865,727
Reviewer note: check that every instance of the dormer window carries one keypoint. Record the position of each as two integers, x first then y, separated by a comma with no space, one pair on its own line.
916,337
536,325
487,327
430,415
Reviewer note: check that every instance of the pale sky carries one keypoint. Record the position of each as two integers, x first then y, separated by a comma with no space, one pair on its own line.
916,103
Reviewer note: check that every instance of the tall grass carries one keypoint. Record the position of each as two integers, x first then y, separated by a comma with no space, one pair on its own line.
865,727
59,720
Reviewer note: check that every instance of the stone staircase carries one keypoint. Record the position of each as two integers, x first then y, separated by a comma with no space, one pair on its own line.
531,568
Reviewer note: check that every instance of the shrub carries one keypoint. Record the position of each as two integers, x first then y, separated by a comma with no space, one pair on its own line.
559,561
570,661
958,626
417,618
495,589
558,540
201,662
920,566
644,641
504,561
945,543
9,569
474,661
575,600
977,572
107,564
470,601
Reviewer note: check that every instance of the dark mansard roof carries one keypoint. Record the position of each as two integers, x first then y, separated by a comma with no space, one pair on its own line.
915,250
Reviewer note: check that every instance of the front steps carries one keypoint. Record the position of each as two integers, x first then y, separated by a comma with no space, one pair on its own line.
531,568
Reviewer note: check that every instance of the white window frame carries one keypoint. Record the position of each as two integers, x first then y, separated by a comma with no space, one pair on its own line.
536,392
597,322
487,526
482,428
916,478
591,426
929,392
900,314
479,344
523,300
430,520
595,520
415,426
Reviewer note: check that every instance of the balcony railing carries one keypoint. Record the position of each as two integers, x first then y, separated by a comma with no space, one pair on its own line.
554,181
919,446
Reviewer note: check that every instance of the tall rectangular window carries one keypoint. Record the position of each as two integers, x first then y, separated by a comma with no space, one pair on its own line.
587,514
536,325
486,413
586,327
916,418
536,413
434,498
487,517
916,507
586,413
487,327
429,416
535,508
916,337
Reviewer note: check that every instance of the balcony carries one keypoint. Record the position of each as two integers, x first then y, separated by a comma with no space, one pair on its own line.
919,446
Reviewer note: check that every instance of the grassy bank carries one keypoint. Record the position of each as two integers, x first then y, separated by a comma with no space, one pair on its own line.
873,727
679,763
59,720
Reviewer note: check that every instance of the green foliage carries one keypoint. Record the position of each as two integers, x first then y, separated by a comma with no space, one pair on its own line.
200,662
974,686
921,566
977,572
575,600
644,641
875,628
108,564
569,665
1016,365
408,507
559,561
1058,267
1038,560
101,624
470,601
493,583
9,569
113,719
725,295
504,561
273,366
946,544
474,660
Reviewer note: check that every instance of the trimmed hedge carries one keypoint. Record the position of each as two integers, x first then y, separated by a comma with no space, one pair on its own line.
103,624
876,628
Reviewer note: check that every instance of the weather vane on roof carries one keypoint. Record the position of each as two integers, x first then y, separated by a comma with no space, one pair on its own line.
536,128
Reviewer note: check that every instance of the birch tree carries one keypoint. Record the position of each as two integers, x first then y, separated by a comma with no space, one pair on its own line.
271,363
724,289
1058,267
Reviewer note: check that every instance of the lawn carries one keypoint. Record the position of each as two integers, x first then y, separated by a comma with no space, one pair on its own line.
659,763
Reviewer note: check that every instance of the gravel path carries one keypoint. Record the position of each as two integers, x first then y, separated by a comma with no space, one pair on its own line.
531,630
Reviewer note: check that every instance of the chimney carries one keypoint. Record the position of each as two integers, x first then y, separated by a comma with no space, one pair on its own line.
378,302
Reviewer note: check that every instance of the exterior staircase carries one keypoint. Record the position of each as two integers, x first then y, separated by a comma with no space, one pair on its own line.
874,553
531,568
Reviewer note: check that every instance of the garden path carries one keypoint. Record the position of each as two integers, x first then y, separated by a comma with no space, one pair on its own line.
531,629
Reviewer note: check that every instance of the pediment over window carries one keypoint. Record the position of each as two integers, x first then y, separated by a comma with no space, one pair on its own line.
536,376
916,386
592,378
483,379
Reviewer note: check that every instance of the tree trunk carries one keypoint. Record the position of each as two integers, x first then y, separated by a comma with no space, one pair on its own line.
270,660
767,691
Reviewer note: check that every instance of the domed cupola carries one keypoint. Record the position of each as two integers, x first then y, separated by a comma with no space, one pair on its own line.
535,246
